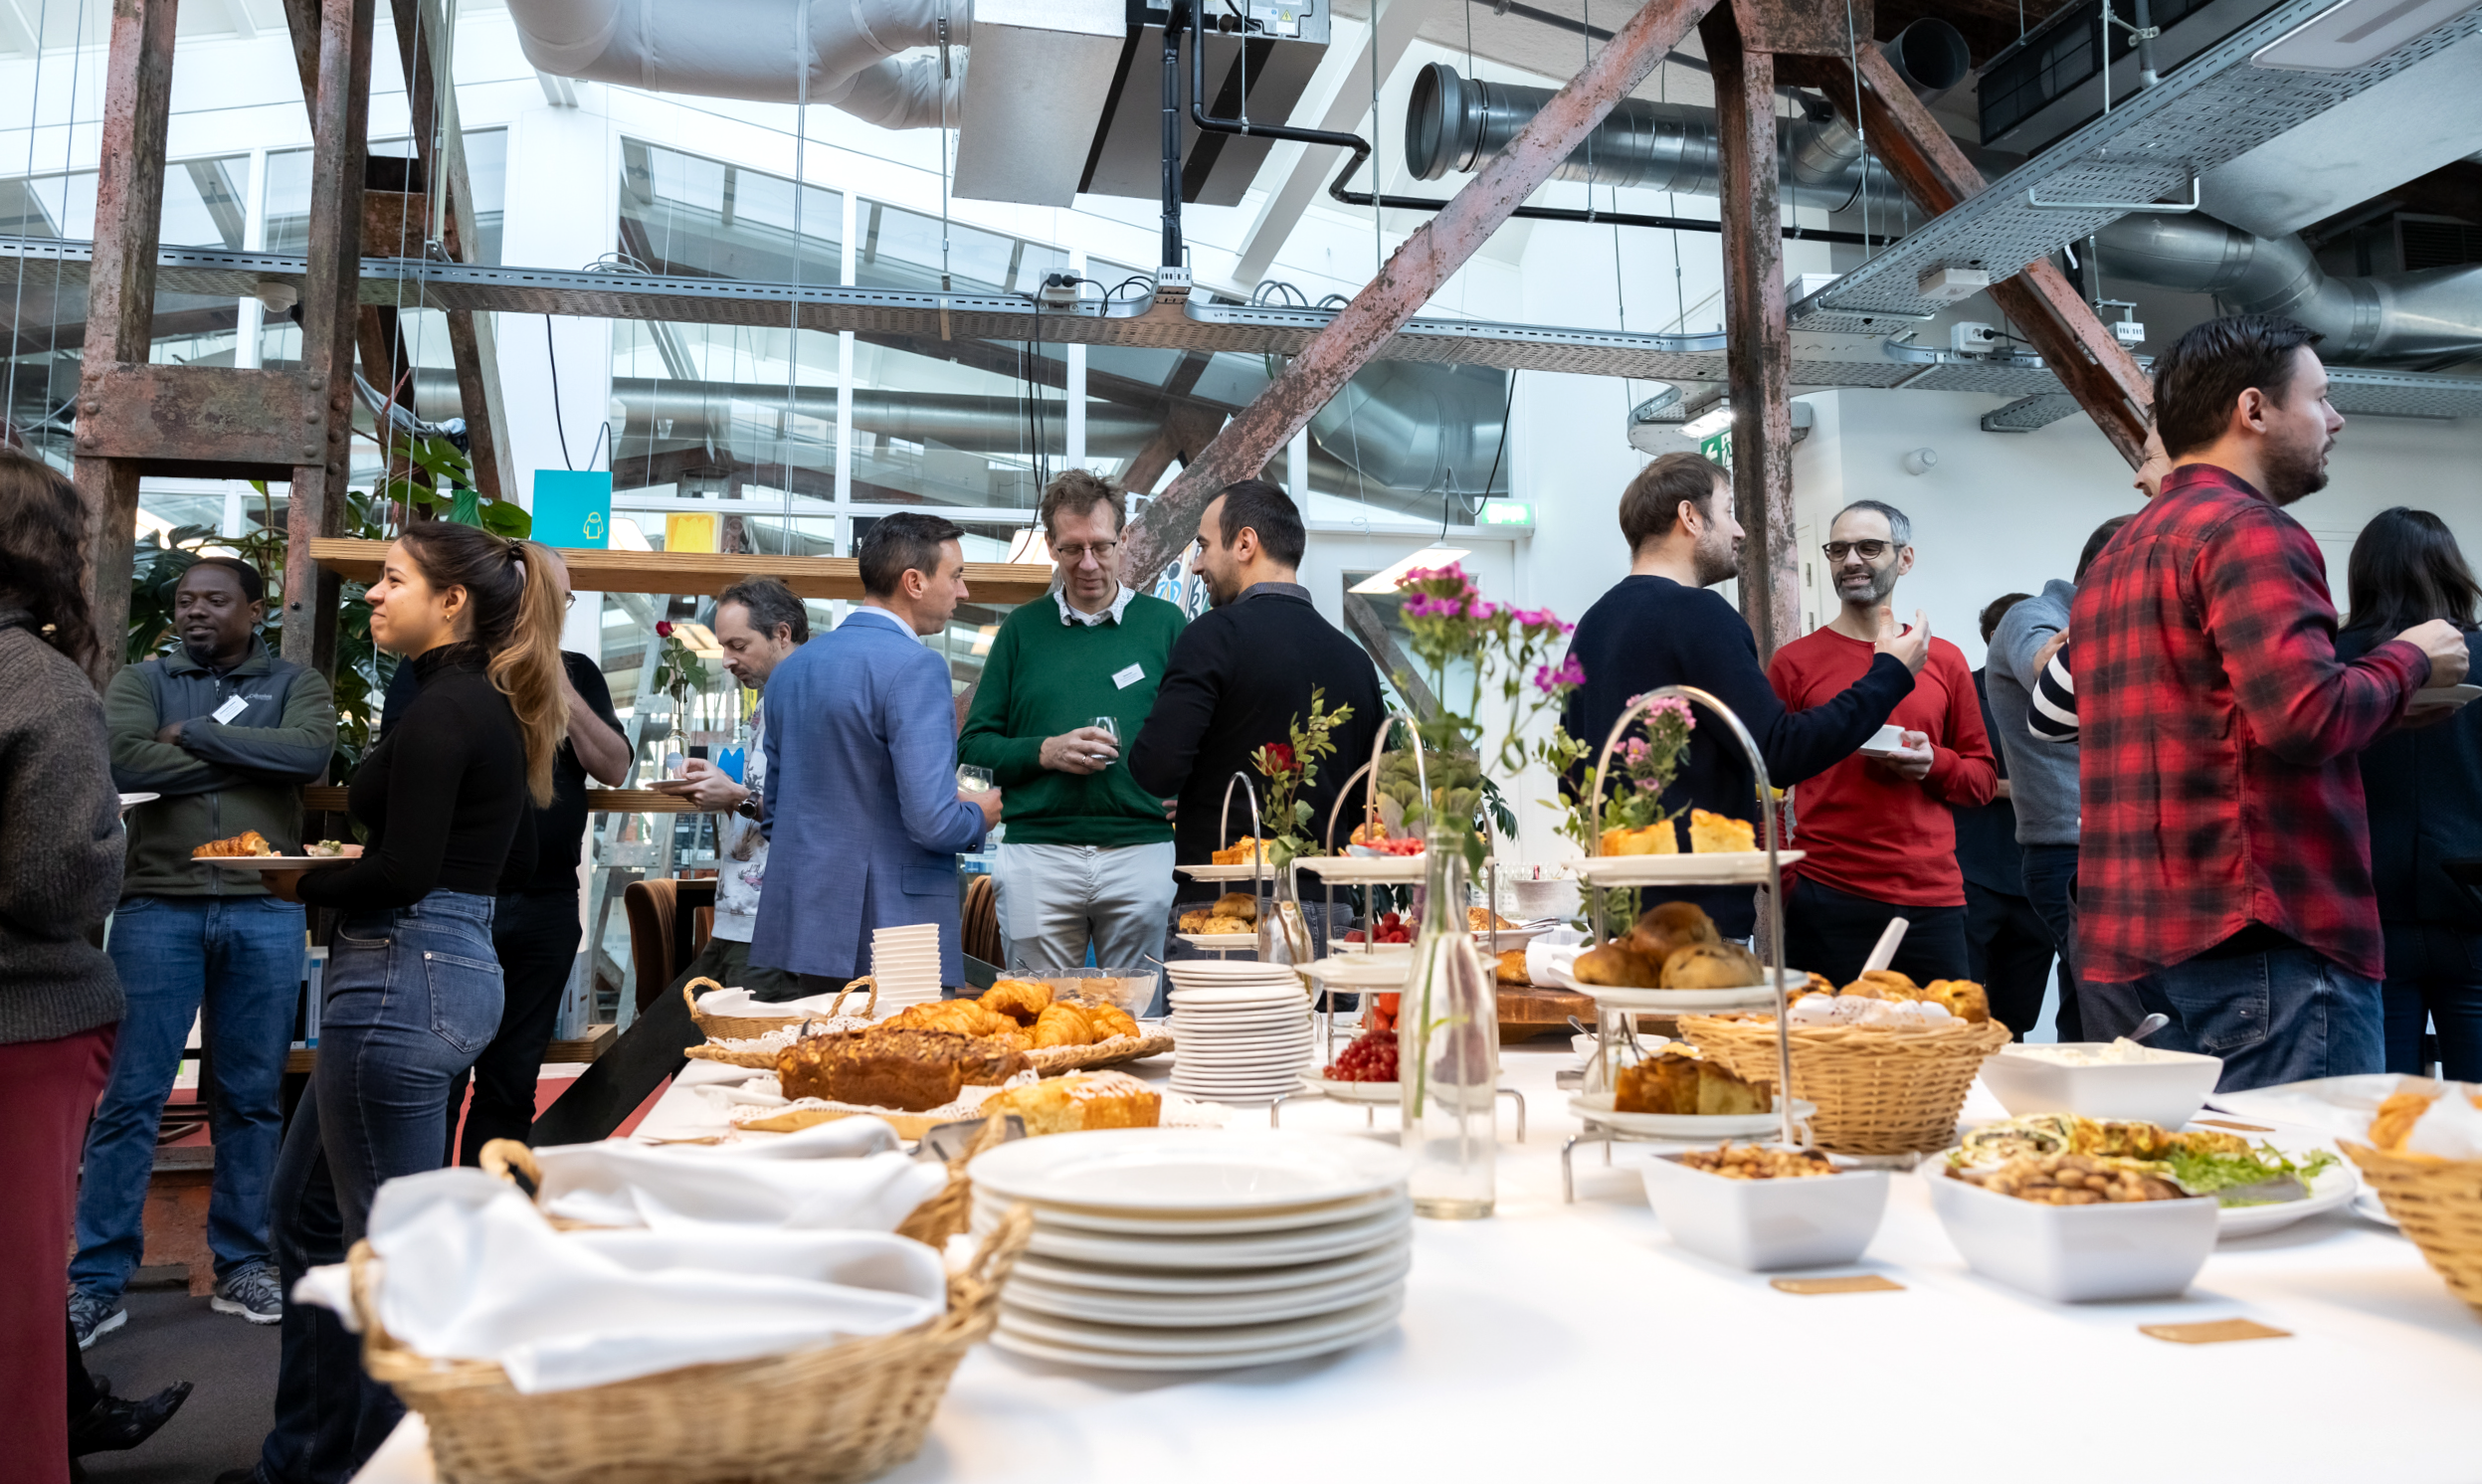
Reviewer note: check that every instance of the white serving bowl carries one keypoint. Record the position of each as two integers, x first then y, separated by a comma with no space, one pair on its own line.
1132,990
2073,1254
2167,1092
1765,1224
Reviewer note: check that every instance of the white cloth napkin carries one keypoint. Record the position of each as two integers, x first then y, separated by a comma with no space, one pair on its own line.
743,1003
845,1175
471,1270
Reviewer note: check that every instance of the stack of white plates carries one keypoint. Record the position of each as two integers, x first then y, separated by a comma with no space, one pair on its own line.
1195,1249
904,963
1241,1030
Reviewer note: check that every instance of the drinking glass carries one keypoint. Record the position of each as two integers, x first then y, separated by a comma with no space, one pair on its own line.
1109,726
972,779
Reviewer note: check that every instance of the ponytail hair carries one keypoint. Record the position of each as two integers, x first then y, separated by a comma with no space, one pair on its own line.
517,612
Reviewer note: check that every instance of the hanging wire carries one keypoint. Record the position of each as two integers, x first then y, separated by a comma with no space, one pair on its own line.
793,305
1861,127
17,308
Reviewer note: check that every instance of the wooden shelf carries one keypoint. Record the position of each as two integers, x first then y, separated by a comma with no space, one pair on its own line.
598,801
707,572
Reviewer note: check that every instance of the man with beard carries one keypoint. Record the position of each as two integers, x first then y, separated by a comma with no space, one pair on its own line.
226,734
2225,865
1662,626
1880,840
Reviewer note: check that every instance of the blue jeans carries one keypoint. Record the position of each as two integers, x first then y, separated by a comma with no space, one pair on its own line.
412,997
2286,1014
2435,973
236,963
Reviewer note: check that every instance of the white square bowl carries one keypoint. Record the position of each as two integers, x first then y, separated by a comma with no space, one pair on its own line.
1765,1224
2073,1254
2167,1092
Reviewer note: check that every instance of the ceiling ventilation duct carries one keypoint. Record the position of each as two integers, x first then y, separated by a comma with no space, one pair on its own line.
1418,425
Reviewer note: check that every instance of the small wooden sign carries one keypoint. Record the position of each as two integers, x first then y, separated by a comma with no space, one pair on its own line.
1851,1283
2246,1128
2214,1332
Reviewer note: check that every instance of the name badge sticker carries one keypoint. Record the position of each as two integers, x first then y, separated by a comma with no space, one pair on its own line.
1124,678
233,706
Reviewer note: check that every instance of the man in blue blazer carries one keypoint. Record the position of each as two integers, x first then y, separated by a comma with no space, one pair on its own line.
862,813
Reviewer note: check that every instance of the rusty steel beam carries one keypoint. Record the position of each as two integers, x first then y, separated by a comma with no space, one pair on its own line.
1412,275
341,122
1758,356
200,422
121,293
2094,368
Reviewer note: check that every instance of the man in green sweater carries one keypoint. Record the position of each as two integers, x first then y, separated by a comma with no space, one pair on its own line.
1087,860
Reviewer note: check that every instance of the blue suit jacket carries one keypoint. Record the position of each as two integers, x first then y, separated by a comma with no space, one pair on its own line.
861,809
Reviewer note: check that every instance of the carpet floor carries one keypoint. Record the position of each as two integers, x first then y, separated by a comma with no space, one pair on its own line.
173,1337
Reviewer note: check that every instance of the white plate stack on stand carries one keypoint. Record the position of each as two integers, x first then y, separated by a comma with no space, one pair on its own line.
1242,1030
1179,1249
904,964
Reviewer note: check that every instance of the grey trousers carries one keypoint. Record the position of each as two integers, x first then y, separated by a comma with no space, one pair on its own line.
1055,901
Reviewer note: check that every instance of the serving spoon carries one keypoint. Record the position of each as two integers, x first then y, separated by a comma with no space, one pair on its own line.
2150,1026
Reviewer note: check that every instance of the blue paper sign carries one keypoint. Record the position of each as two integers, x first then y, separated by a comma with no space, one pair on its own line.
731,761
573,507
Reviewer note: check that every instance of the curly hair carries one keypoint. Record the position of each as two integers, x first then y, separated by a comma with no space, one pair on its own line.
43,554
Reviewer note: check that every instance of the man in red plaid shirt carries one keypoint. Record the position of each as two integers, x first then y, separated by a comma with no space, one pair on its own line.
2225,870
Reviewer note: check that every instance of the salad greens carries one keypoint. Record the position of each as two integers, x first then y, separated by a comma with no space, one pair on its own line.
2213,1173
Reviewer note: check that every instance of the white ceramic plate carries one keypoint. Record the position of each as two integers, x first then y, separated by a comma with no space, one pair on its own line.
2335,1187
1247,1068
2447,695
1259,1083
1597,1107
1361,970
1159,1311
132,801
2366,1203
1285,1218
1385,1227
1685,1001
1241,872
273,862
1131,1280
1222,942
1192,1171
1125,1339
1721,868
1356,1092
1381,1321
2337,1106
1367,870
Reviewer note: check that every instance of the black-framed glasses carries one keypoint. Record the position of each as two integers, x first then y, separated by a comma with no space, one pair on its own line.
1073,555
1868,551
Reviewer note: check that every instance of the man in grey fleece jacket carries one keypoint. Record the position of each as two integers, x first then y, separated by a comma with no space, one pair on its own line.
227,733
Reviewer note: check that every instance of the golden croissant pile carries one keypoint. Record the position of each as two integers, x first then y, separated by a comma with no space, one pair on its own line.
1021,1013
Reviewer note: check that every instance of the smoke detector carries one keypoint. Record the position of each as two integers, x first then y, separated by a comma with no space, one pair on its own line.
1920,462
1945,286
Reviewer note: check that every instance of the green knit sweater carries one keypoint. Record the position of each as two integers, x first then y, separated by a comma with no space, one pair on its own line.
1044,676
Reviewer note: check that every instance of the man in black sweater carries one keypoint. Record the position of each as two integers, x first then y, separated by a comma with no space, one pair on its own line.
1241,674
1660,627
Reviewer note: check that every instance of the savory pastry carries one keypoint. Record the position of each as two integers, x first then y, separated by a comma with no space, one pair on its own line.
1712,966
1710,834
1657,838
1511,970
1616,966
1818,984
2394,1123
1238,904
1483,919
907,1069
1963,998
1020,999
1246,850
1078,1102
1211,920
1668,927
1884,984
247,843
1678,1083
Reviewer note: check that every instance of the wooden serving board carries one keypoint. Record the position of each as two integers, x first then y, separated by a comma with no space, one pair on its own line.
1525,1013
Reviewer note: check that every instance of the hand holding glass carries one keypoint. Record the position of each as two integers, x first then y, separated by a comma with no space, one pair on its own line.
972,779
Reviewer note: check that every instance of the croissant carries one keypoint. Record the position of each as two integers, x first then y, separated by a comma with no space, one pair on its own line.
1020,999
247,843
962,1016
1109,1021
1063,1025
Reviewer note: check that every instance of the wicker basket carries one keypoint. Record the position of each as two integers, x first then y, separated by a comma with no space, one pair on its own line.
741,1028
2438,1203
1878,1091
820,1416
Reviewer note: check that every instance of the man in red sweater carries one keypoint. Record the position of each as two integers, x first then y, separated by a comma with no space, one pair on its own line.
1881,842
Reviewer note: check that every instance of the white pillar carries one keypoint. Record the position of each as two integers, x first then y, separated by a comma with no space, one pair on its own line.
563,203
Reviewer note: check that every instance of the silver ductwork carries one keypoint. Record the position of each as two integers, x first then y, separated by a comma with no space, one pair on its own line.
2426,317
840,52
1418,424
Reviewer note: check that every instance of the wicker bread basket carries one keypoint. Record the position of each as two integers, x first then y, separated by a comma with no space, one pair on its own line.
824,1415
1878,1090
2438,1203
742,1028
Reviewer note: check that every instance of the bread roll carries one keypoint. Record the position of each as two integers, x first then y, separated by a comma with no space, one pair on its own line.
1884,984
1080,1101
1511,970
1963,998
1663,930
1238,904
1616,966
1712,966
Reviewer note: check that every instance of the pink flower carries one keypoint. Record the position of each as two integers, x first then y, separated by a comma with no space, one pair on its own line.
1549,678
1670,705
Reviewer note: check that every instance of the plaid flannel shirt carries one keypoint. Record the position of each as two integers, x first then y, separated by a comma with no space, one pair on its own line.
2219,780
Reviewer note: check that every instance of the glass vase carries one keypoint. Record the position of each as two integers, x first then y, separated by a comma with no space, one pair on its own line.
1284,933
1447,1050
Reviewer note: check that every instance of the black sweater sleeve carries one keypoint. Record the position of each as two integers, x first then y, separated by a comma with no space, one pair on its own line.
1167,747
426,765
1796,744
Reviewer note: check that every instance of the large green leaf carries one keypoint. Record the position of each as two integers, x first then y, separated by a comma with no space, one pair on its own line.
508,519
466,506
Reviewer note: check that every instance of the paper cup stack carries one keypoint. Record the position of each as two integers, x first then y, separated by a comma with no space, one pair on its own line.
904,962
1195,1249
1242,1030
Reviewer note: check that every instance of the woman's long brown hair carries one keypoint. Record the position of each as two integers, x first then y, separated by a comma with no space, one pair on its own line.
518,611
43,554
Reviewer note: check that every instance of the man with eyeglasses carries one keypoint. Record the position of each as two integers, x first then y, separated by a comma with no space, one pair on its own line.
1087,860
1880,840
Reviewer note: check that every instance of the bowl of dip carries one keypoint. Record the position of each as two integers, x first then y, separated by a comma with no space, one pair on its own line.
2102,1079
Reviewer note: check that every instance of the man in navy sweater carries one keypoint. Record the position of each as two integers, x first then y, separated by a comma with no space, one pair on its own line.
1660,627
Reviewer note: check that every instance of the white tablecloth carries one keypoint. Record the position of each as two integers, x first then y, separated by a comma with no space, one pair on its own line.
1559,1342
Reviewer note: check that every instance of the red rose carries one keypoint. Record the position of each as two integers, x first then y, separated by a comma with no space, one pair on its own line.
663,630
1279,757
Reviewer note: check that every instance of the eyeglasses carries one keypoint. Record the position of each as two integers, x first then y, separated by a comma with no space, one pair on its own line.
569,600
1073,555
1868,551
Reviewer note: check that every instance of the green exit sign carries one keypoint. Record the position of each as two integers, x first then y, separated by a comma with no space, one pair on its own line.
1507,512
1718,446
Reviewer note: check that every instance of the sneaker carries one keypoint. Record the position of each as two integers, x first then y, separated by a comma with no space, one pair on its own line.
252,1292
91,1318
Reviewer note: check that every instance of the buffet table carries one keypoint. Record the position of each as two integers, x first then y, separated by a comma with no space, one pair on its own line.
1575,1341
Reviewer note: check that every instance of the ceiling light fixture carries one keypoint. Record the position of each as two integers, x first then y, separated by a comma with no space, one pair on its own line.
1714,420
1384,581
2356,34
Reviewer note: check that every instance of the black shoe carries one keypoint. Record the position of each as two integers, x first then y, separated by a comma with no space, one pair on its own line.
247,1475
116,1423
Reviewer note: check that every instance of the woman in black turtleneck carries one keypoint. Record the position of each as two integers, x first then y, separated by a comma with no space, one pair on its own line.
413,983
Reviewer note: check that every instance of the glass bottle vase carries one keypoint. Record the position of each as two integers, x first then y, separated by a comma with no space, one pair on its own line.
1447,1050
1284,933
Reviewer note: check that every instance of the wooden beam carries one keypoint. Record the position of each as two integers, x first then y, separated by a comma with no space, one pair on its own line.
1362,620
1758,355
200,422
710,572
1439,247
120,294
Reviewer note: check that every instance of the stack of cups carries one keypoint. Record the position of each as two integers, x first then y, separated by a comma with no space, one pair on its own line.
904,963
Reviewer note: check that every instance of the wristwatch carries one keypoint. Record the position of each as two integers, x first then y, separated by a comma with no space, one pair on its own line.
748,806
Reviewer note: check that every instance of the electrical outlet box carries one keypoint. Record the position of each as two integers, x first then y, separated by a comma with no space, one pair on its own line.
1971,337
2128,332
1172,282
1059,292
1945,286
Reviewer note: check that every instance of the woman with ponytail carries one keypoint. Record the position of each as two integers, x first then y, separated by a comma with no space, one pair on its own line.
413,983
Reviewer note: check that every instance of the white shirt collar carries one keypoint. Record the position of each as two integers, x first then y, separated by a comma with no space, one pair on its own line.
1069,615
865,611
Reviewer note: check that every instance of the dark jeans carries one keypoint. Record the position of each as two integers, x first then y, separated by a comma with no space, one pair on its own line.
2010,951
412,997
1831,932
2284,1014
234,964
2052,886
537,937
2435,973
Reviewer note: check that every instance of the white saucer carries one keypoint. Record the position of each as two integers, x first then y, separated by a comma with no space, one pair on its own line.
1159,1311
2336,1186
1006,1338
1596,1107
1123,1281
1384,1227
1220,1340
1286,1218
1191,1171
